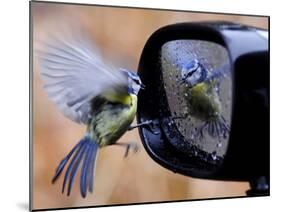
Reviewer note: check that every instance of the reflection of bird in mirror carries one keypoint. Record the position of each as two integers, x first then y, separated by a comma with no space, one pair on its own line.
90,92
202,95
193,73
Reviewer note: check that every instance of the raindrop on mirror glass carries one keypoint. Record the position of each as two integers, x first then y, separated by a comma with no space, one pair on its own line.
219,144
214,155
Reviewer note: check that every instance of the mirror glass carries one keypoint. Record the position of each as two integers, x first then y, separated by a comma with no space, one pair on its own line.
198,85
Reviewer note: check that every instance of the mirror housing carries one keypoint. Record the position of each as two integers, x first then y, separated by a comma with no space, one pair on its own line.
247,155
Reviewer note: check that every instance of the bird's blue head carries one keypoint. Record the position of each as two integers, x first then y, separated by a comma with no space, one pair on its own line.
193,73
134,82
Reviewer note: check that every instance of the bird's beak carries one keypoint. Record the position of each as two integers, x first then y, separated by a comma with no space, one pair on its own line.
142,86
182,82
185,82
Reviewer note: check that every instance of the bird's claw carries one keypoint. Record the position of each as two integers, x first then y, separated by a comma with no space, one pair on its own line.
130,146
151,128
149,125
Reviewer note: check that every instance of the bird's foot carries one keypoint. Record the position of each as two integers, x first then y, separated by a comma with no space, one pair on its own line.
135,147
149,125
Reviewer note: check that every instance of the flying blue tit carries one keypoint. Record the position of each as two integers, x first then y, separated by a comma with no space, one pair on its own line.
202,97
88,91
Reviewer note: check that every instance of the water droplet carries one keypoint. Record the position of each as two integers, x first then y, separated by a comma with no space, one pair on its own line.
225,135
214,155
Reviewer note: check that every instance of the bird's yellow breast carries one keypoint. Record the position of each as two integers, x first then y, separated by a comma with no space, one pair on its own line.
113,118
125,99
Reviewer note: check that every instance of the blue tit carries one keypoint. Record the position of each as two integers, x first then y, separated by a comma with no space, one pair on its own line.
202,98
193,73
91,92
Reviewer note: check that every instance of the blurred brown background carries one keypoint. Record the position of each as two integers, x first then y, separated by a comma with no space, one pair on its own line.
120,33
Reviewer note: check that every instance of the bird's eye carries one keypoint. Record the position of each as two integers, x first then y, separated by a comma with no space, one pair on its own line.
190,73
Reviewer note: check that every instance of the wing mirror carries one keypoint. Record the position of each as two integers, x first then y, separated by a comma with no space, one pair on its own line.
207,92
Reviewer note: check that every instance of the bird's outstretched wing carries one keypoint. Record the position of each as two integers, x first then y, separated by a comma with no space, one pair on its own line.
74,73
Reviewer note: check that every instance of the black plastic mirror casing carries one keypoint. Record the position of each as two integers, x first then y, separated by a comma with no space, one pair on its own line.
247,156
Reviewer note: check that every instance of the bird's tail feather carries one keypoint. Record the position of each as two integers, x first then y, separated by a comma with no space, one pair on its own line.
86,151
